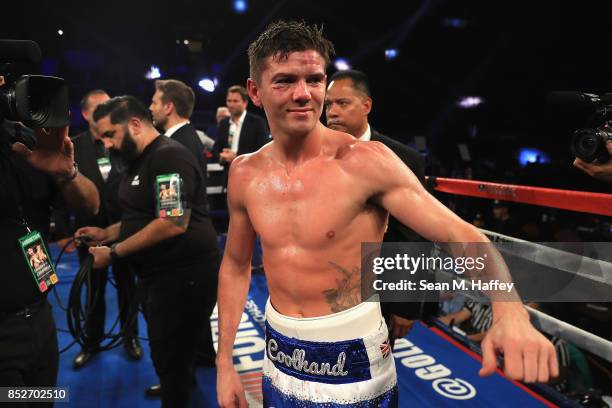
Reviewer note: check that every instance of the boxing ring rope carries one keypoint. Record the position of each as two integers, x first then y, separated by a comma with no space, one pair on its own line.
581,338
598,270
594,203
580,201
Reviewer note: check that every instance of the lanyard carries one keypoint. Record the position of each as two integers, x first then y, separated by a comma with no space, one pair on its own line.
21,218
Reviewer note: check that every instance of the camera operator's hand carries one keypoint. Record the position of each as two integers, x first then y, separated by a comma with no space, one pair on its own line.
54,152
599,171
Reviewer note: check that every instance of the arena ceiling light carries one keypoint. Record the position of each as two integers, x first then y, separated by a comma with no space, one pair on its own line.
153,73
470,102
391,53
60,32
455,22
240,6
342,64
207,84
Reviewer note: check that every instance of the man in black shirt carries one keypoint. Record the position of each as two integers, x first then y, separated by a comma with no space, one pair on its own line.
171,107
30,182
168,239
104,168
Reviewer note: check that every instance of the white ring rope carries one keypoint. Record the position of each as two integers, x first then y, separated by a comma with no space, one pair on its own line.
597,270
581,338
594,269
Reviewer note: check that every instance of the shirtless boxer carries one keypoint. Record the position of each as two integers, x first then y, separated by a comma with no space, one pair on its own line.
313,195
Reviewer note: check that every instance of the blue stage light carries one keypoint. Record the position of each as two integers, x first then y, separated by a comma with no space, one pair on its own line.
455,22
391,54
528,155
240,6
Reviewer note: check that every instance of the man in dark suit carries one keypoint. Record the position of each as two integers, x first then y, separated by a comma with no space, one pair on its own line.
243,132
347,105
104,168
171,107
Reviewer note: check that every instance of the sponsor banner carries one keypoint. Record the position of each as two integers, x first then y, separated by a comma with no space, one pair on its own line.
433,372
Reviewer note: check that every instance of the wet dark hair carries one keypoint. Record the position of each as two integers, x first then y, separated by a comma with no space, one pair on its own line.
284,37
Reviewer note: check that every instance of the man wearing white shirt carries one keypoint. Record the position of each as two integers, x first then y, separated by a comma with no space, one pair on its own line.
171,107
243,132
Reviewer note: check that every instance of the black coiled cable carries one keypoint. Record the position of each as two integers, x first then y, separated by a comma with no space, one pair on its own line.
80,306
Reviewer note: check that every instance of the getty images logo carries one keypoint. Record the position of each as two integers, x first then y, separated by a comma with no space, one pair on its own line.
425,368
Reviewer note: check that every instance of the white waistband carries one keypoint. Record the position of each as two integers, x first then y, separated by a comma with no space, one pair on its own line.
357,322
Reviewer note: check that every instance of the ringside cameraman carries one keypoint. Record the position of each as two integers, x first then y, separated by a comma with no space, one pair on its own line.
30,182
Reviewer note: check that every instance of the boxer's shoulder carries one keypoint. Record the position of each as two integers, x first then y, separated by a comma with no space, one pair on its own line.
247,165
359,158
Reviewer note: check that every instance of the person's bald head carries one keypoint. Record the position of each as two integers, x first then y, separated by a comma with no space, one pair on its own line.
222,113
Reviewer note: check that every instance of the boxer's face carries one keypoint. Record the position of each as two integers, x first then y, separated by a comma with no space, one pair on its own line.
291,92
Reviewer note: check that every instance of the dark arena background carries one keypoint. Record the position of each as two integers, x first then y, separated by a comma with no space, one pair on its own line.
466,83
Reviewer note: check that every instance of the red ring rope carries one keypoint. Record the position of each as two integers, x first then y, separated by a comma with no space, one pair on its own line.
594,203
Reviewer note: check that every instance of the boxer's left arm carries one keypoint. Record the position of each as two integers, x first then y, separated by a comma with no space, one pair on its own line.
528,355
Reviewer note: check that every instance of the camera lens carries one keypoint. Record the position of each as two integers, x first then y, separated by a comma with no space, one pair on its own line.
589,145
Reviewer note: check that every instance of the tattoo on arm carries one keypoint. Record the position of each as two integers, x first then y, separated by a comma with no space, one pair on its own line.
347,292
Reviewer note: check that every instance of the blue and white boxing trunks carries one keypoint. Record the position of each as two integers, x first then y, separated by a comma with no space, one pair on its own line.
339,360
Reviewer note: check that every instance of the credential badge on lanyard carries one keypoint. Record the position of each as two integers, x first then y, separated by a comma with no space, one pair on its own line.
104,165
38,260
168,190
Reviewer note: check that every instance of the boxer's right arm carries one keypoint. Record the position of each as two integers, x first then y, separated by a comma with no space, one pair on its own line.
234,278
